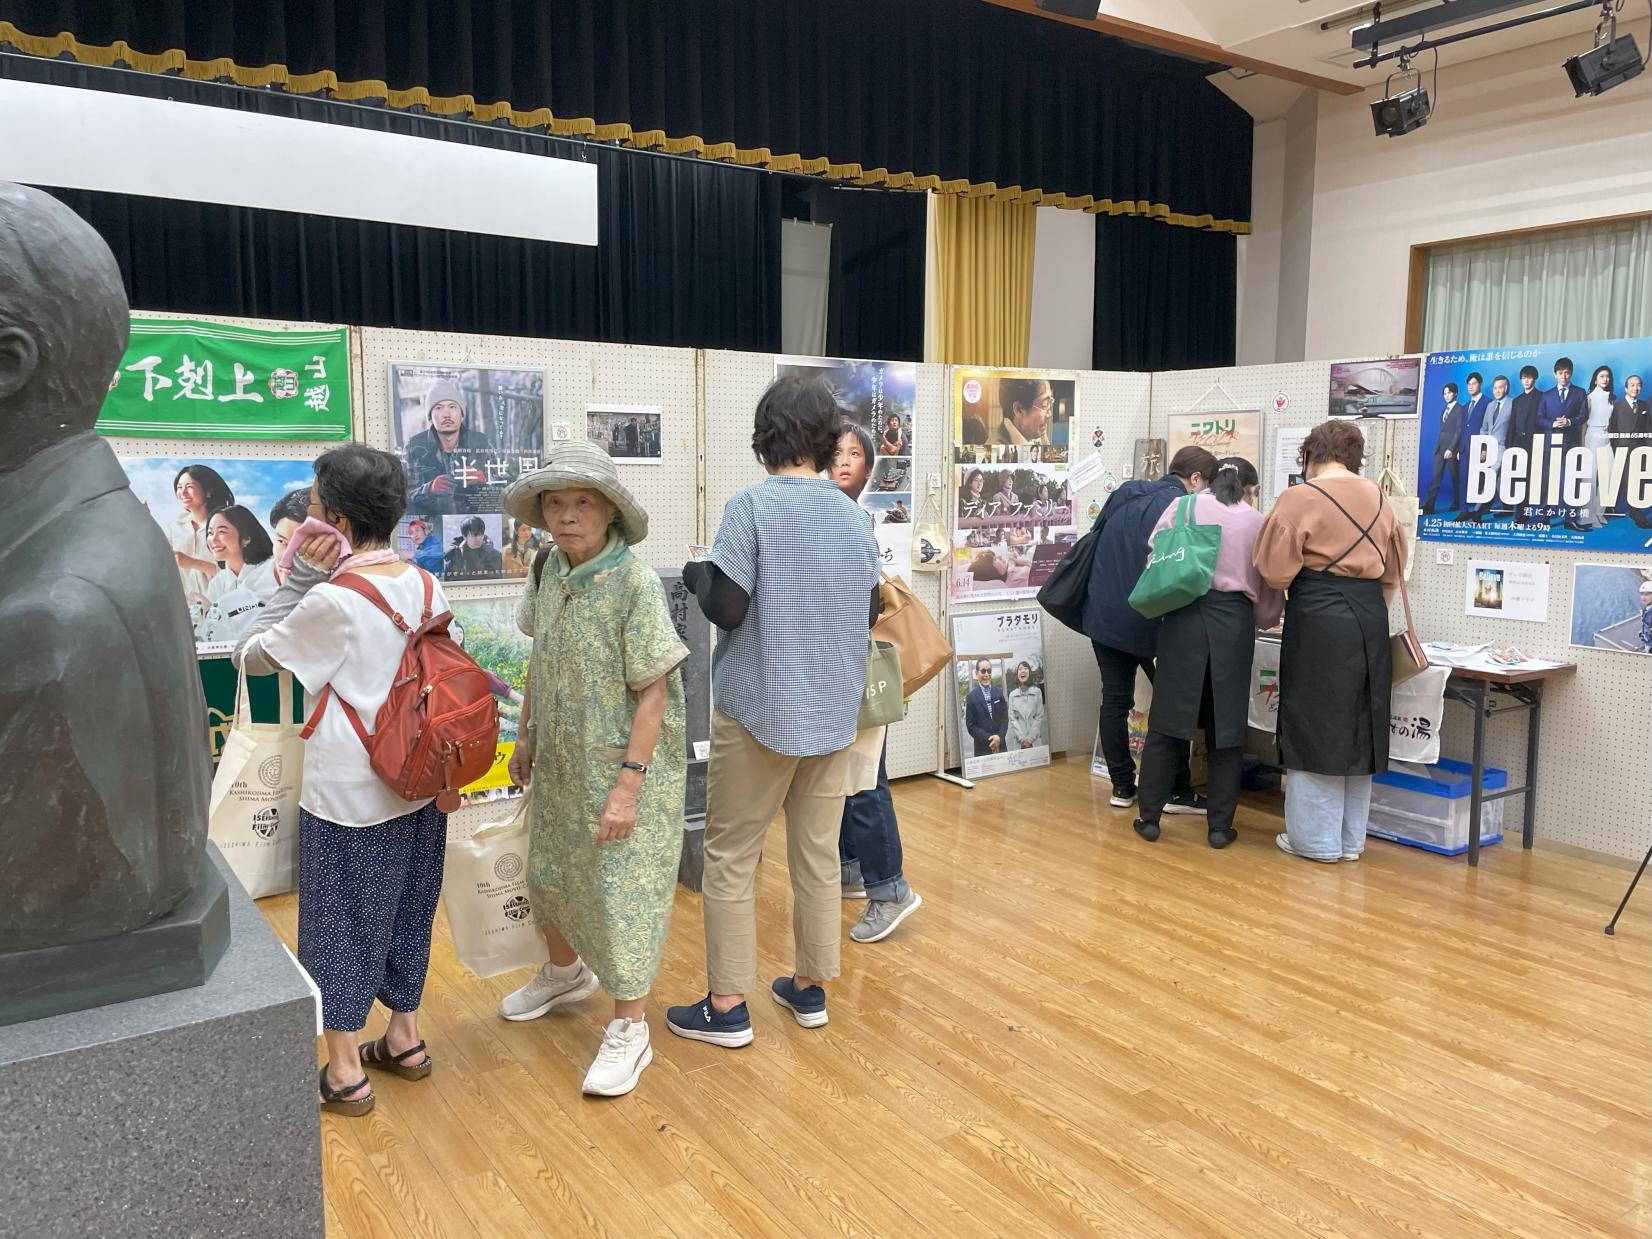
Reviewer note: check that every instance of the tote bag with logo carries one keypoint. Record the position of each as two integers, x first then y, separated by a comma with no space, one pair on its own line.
253,813
1180,569
485,892
884,703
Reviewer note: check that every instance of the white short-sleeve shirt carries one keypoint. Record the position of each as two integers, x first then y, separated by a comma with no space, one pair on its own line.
337,637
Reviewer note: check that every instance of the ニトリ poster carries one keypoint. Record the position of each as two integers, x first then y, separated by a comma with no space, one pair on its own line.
998,671
1222,434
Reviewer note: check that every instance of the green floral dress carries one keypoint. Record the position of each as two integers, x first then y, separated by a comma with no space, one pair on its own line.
595,644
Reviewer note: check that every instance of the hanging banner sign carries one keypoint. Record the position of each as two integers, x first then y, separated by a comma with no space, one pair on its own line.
1548,445
182,379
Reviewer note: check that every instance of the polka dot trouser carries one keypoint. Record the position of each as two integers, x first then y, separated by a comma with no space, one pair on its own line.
366,901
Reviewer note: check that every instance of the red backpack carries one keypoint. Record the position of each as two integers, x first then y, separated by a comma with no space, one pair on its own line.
439,727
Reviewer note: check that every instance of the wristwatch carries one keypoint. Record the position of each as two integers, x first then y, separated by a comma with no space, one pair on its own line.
634,765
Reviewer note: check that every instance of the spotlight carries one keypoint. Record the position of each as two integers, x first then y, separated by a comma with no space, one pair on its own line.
1394,115
1603,67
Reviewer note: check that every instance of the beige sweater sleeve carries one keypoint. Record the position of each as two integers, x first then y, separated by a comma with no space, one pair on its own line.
1278,554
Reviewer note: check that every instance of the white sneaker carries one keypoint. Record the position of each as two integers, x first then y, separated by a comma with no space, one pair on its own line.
620,1060
1351,857
1284,843
546,990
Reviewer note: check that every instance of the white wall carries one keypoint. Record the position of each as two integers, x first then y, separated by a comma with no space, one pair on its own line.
1336,209
1064,290
1508,147
1259,253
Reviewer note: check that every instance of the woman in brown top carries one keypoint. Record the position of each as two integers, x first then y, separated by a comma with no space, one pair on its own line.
1334,546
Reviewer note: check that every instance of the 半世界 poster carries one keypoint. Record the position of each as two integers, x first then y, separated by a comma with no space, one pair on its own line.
464,434
1011,527
873,463
1003,719
1547,444
182,379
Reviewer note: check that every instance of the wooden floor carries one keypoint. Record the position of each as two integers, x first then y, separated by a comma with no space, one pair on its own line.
1078,1033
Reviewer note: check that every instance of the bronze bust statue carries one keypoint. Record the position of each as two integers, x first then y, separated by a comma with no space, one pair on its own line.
106,892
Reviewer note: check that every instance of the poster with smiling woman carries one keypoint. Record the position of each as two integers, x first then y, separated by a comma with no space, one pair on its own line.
226,522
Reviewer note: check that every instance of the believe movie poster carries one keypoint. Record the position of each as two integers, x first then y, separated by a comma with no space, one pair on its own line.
1547,445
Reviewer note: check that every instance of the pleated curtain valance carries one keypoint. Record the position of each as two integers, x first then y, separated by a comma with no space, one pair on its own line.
955,96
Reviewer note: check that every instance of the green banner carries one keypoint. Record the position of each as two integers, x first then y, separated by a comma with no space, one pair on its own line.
182,379
218,681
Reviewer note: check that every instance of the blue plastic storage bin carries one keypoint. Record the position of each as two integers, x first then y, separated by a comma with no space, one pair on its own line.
1427,806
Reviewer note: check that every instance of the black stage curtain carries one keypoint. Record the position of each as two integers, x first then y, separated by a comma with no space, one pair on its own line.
1165,297
957,89
688,252
875,302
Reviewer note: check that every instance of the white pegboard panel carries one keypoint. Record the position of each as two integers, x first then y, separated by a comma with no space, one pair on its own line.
1117,404
733,382
577,373
1592,773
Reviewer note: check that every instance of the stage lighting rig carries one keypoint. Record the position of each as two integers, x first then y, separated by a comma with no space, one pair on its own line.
1396,115
1612,61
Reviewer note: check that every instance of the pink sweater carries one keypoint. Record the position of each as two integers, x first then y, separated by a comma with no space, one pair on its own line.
1235,570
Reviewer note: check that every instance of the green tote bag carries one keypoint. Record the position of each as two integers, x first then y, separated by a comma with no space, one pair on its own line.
1181,566
882,704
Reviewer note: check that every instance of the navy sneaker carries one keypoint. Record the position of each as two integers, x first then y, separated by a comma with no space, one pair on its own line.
703,1022
808,1006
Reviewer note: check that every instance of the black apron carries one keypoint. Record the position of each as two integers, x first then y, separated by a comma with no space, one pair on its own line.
1217,632
1335,671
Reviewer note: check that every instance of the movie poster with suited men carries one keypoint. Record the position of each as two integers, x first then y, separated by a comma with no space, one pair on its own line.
464,434
1003,717
1547,444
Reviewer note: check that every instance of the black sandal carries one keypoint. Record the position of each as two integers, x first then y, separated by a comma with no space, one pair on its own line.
339,1101
377,1054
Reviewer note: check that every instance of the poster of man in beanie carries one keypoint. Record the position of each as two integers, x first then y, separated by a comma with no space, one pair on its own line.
464,433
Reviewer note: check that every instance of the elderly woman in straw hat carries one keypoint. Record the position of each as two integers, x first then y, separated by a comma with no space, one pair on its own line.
602,743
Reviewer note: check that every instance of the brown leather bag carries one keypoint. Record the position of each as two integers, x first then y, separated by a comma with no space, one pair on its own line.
907,625
438,729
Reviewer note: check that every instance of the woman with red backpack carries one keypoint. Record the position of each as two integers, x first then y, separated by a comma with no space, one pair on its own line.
370,857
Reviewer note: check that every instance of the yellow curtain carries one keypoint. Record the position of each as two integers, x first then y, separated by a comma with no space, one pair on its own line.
980,281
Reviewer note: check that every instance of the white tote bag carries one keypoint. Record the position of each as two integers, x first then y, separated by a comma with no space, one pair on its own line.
485,891
253,813
1263,713
1415,712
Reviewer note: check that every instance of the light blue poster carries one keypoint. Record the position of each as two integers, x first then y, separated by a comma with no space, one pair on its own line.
1544,445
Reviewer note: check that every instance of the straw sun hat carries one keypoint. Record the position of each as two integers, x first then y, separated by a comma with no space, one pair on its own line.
577,463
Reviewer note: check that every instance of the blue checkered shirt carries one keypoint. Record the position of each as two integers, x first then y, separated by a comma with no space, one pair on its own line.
793,674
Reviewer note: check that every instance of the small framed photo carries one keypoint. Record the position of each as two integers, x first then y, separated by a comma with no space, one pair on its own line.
630,433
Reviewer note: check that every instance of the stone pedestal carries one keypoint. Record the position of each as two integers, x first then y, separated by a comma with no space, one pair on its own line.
188,1113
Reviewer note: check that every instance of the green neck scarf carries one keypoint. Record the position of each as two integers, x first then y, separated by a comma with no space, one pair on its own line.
614,553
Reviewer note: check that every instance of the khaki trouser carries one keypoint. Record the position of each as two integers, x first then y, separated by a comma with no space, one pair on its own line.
748,785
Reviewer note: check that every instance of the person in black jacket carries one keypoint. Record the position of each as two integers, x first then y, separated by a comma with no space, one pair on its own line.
1125,640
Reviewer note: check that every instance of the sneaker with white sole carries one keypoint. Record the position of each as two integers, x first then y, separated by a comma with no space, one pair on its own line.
1351,857
701,1021
550,987
620,1060
808,1006
883,915
1187,803
1284,844
1124,795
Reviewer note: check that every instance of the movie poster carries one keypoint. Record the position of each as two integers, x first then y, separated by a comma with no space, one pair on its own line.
1612,608
1011,526
1003,719
221,519
1223,434
875,467
464,434
1547,445
1386,388
1012,417
486,628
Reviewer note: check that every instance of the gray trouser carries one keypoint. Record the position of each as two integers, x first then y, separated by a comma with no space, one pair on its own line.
1326,814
